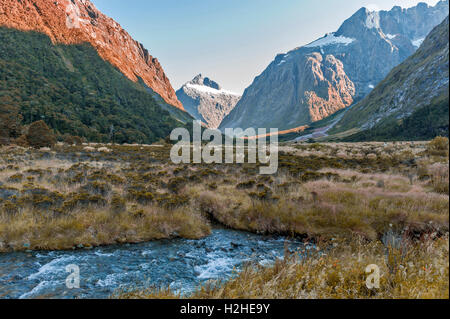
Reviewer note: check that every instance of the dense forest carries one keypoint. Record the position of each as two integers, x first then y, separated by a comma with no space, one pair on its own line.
76,93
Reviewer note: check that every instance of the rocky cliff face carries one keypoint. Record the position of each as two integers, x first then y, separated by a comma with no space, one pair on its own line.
206,101
318,79
420,81
78,21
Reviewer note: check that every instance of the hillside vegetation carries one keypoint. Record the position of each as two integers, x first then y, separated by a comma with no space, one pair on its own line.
77,93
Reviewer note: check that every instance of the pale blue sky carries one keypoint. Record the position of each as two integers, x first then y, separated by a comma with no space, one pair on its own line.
231,41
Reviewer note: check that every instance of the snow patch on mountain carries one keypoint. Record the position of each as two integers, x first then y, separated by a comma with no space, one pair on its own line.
330,39
418,42
373,20
207,101
207,89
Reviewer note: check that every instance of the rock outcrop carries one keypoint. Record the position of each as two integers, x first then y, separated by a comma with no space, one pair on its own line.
206,101
314,81
78,21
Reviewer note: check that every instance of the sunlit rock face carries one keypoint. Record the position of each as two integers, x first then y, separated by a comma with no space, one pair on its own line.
78,21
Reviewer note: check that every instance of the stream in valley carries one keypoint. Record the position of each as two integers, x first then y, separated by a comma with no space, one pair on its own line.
179,263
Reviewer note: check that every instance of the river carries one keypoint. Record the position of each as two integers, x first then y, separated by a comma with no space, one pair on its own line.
179,263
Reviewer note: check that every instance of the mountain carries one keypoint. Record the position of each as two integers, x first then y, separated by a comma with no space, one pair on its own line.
78,21
49,71
412,102
206,101
314,81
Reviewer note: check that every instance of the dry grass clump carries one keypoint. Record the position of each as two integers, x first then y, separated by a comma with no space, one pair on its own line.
325,209
32,230
439,178
438,147
410,270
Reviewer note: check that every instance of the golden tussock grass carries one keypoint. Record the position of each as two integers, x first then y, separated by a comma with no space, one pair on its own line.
30,230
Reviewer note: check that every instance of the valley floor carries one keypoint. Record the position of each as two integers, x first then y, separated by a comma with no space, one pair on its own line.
364,203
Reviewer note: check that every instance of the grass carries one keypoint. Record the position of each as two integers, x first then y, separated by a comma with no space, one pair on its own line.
327,209
61,199
95,194
29,230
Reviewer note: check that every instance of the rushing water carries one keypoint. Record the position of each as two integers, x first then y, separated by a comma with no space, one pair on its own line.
182,264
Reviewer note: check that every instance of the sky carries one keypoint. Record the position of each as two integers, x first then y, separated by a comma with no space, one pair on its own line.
230,41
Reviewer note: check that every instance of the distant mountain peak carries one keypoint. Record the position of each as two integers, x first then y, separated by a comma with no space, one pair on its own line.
200,80
206,100
373,20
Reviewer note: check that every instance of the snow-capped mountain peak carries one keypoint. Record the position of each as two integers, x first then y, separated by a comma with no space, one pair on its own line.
206,100
206,85
200,80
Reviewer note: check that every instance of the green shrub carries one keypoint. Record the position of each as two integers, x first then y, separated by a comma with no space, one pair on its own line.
83,200
73,140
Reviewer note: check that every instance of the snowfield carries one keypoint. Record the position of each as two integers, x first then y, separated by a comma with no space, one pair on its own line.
330,39
207,89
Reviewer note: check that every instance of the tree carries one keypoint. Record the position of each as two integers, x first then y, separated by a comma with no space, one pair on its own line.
39,135
10,123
